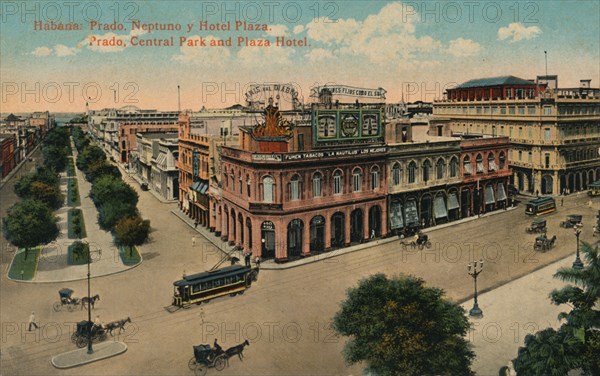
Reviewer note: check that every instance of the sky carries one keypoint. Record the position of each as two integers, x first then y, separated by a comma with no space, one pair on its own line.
413,49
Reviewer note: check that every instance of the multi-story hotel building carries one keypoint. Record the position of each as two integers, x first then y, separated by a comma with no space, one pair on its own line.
554,133
304,182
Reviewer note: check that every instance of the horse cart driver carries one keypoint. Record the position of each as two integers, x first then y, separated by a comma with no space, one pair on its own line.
65,295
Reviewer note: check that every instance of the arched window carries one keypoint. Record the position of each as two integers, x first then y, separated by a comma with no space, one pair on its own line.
426,170
453,167
268,184
502,159
412,172
317,184
241,184
479,162
295,187
439,169
396,174
337,182
467,166
492,162
232,176
356,180
375,178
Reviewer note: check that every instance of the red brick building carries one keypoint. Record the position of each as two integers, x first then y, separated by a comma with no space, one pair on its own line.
8,157
304,182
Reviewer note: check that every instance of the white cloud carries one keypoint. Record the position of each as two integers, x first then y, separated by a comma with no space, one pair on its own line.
384,37
42,51
261,56
216,56
278,31
319,54
62,50
463,47
517,31
298,29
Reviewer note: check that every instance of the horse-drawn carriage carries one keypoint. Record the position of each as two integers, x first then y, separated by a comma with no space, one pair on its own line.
542,243
206,357
418,240
80,336
572,221
66,299
537,226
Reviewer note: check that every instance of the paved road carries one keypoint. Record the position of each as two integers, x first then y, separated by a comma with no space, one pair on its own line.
286,314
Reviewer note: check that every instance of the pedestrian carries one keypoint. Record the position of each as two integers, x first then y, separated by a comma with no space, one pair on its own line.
32,321
257,261
196,224
193,241
372,234
590,203
537,193
562,201
247,259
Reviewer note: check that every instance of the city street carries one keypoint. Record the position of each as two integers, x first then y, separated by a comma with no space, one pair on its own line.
285,315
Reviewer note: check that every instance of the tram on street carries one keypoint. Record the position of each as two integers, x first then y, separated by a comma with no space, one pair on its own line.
542,205
594,189
202,287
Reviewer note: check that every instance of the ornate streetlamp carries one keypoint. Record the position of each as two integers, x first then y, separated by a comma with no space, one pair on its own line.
89,255
474,269
577,264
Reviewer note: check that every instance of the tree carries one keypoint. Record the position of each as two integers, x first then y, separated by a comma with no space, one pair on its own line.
110,189
100,168
43,175
400,327
55,157
49,194
576,343
30,223
110,213
89,155
132,231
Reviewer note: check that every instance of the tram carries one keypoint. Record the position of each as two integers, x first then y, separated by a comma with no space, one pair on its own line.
202,287
542,205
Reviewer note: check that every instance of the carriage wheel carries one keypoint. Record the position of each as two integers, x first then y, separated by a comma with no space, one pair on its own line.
428,244
74,337
103,336
81,342
254,276
233,294
200,369
70,307
220,362
57,306
192,363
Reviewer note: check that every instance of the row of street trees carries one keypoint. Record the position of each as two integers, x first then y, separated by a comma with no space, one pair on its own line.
31,221
115,200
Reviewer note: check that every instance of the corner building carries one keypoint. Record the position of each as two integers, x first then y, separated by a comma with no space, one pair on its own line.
304,182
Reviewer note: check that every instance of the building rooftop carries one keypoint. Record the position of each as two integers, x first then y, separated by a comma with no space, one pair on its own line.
494,81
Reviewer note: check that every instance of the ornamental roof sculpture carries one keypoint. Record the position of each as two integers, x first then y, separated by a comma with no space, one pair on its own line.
275,125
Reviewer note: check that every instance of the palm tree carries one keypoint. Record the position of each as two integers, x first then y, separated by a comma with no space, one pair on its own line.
548,353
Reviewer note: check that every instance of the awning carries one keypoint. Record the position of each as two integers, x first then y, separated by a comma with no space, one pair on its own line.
396,220
204,187
492,165
161,160
468,168
439,207
195,186
489,195
453,201
411,214
501,192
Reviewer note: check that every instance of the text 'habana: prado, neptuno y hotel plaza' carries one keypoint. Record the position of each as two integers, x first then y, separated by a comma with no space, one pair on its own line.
284,177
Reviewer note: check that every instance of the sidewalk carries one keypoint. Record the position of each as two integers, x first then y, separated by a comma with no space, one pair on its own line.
510,312
79,357
53,265
272,265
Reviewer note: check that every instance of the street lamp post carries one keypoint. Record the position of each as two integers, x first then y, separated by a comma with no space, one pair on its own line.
474,269
577,264
89,256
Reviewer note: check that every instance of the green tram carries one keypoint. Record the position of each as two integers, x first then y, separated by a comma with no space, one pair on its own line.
542,205
202,287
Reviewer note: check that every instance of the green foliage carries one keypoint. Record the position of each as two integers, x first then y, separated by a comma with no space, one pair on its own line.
73,193
29,223
76,224
55,157
110,189
49,194
576,344
132,230
27,264
100,168
78,253
43,175
110,213
89,155
400,327
81,142
129,255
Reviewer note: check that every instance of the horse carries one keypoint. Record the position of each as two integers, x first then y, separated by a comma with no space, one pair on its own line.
84,301
120,324
237,350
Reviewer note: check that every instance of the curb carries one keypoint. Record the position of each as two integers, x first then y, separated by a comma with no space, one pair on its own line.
80,356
